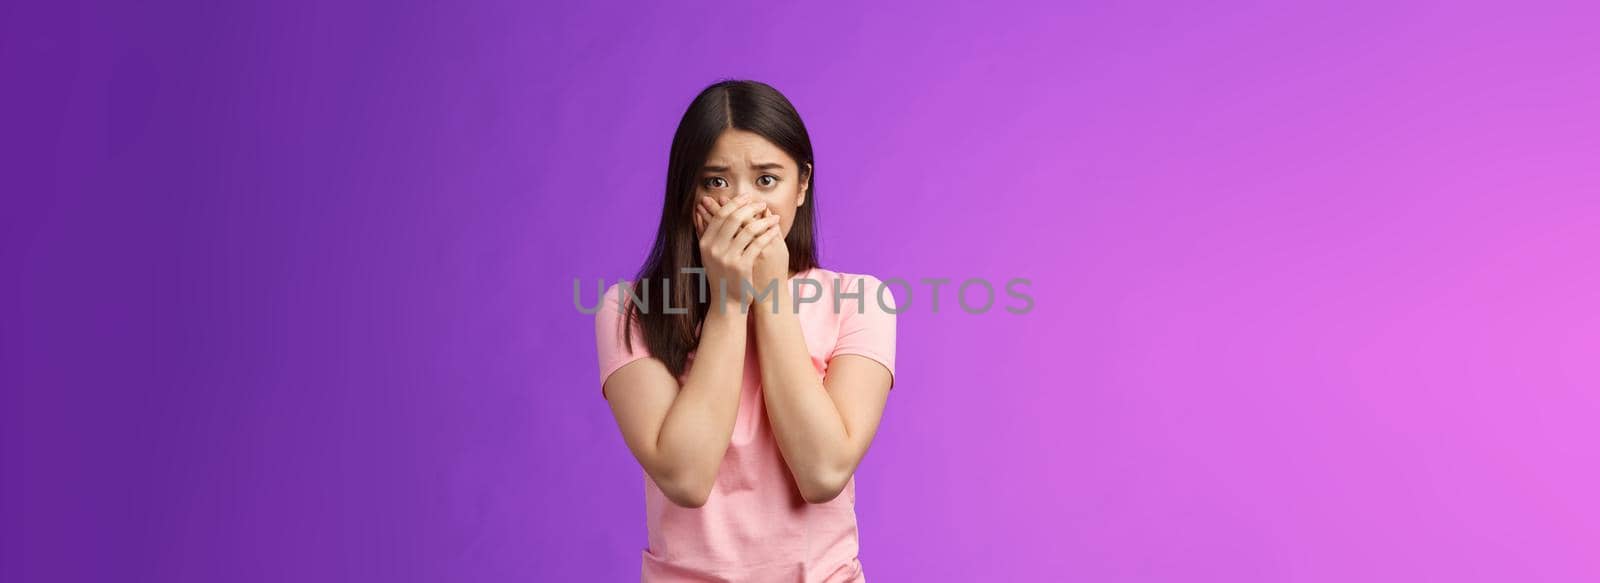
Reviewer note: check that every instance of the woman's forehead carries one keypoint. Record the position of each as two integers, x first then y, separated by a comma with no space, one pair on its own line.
738,149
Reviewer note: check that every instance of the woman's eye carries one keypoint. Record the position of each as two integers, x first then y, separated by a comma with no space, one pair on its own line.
767,180
715,182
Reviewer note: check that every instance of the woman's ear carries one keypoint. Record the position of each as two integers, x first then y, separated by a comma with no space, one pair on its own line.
805,185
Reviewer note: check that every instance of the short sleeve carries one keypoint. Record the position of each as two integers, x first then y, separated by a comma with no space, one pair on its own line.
608,330
867,323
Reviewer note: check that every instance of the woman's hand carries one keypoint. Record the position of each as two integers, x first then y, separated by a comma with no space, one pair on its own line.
772,263
732,236
772,259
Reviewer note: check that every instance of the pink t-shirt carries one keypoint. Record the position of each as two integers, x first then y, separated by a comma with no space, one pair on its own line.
755,526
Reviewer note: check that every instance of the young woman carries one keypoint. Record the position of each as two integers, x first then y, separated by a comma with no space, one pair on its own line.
750,409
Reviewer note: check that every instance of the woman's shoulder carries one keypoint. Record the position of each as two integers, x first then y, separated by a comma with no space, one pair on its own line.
619,287
614,300
851,280
850,284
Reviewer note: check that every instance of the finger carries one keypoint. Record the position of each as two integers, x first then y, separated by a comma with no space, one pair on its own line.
750,231
735,222
718,210
761,242
704,207
727,208
736,219
715,209
699,224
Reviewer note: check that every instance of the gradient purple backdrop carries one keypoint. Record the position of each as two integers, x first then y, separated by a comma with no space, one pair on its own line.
289,288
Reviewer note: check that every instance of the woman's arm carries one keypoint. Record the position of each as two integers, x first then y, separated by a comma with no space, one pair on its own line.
823,425
680,434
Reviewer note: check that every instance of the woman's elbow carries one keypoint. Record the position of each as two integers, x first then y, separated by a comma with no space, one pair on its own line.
688,498
823,487
685,492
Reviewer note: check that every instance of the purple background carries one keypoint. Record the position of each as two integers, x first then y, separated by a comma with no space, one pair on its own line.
288,289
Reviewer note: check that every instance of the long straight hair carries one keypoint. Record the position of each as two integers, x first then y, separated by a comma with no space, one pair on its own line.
751,106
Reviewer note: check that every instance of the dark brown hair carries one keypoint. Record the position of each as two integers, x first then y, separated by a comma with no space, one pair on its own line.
751,106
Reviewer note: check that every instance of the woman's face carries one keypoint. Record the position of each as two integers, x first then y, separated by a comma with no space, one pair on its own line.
743,162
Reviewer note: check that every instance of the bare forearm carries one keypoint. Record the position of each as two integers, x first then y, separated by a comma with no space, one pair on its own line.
805,421
695,433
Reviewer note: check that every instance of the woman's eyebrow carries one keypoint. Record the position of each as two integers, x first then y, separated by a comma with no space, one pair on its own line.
762,166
